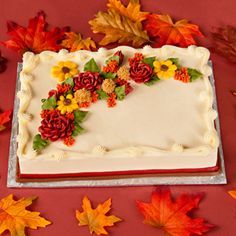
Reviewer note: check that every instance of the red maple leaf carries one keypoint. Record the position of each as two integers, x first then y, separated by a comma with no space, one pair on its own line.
4,118
162,30
171,216
35,37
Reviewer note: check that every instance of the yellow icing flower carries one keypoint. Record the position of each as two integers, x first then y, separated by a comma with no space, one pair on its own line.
164,69
67,104
64,70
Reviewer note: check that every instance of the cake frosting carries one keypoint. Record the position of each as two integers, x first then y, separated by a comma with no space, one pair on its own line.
169,125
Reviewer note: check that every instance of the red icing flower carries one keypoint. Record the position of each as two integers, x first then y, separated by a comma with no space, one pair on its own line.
111,67
182,75
137,58
55,126
52,92
69,141
128,87
63,88
111,101
120,55
140,72
88,80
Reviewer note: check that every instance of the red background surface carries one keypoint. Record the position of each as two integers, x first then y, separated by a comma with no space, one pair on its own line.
59,205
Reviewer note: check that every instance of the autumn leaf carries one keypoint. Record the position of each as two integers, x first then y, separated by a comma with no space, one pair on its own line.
172,216
118,28
232,193
234,93
132,11
4,118
162,30
15,218
96,219
74,42
35,37
3,63
224,42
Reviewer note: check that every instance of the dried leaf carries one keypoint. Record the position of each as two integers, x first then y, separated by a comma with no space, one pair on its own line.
132,11
232,193
3,63
224,42
118,28
96,219
4,118
15,218
171,216
163,31
75,42
35,37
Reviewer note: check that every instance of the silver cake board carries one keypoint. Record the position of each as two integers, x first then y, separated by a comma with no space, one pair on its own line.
216,178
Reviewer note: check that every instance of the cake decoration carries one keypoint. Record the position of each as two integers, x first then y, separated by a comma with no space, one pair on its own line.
77,90
96,219
14,217
172,216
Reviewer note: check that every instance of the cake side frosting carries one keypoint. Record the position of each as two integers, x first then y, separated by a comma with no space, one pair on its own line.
36,68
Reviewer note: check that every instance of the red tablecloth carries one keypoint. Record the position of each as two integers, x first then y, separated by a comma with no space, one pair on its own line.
59,205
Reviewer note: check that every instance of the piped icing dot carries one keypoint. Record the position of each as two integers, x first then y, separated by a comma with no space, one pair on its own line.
98,149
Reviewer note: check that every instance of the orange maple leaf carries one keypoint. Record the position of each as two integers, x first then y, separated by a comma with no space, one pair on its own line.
15,218
4,118
232,193
35,37
132,11
75,42
163,31
171,216
96,219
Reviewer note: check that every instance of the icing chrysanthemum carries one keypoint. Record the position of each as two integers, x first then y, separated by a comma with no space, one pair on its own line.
123,73
182,75
108,86
164,69
82,95
64,70
67,104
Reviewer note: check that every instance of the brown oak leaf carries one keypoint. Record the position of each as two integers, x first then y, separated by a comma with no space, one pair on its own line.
75,42
118,28
131,11
224,42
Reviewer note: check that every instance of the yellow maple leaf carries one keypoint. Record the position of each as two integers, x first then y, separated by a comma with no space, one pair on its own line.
75,42
15,218
118,28
132,11
96,219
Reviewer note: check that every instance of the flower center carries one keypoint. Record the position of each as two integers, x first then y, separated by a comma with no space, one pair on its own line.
164,67
67,102
65,69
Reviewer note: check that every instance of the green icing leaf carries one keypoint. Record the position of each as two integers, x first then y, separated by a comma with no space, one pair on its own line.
149,61
101,94
194,74
108,75
69,81
78,130
113,58
92,66
120,92
49,104
79,116
152,81
39,143
175,61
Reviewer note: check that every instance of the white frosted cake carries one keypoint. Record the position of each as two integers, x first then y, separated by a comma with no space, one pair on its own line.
116,111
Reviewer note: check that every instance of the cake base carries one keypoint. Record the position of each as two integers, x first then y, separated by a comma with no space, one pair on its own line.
212,175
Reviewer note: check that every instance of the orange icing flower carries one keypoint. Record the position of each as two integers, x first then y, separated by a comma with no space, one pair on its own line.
94,97
111,101
182,75
69,141
84,104
111,67
137,58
